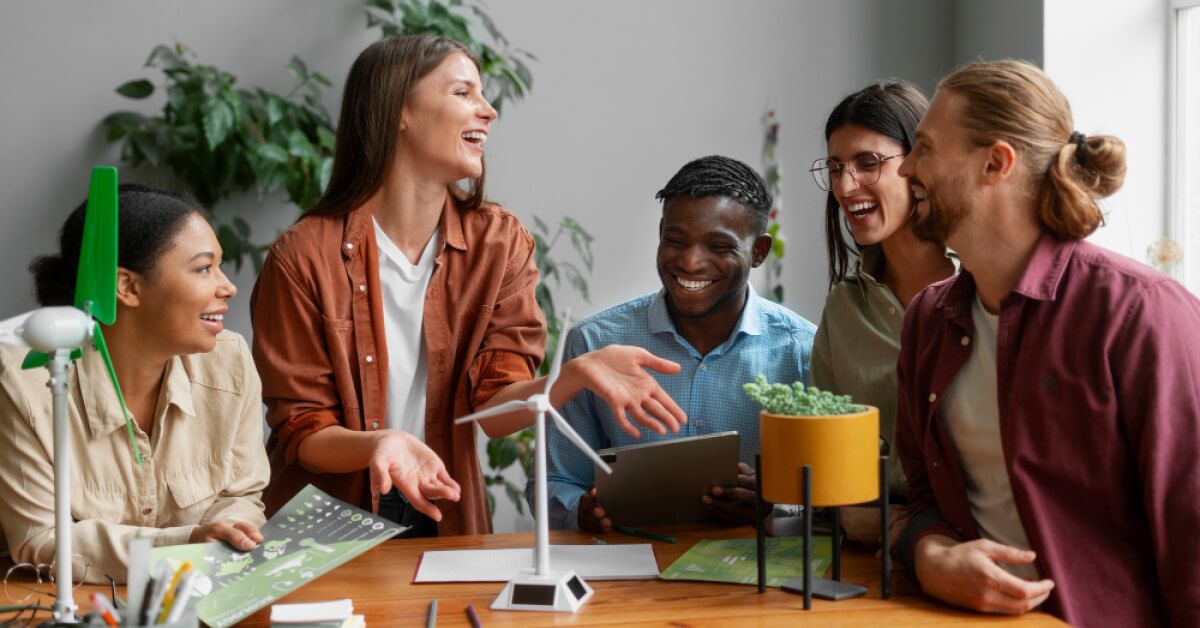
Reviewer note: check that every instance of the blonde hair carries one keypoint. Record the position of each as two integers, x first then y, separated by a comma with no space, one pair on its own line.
1016,102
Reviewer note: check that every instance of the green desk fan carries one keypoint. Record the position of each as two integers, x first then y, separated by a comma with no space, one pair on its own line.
57,336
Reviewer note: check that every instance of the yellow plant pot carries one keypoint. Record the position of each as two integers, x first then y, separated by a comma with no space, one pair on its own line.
842,449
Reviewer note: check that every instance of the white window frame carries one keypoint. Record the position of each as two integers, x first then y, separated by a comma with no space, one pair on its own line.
1184,222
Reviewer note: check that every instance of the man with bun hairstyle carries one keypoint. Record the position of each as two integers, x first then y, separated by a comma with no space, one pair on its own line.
1049,395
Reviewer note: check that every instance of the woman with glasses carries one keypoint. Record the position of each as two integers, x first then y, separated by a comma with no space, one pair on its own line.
190,387
874,274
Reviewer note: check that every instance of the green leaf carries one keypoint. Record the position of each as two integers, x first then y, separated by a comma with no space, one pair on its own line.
502,452
540,225
777,248
515,495
217,122
136,89
575,279
241,226
274,110
299,146
272,152
298,68
146,143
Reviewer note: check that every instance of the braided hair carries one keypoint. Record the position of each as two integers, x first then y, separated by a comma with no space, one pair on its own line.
721,176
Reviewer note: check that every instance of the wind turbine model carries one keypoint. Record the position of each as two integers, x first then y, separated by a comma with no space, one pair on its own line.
538,588
56,335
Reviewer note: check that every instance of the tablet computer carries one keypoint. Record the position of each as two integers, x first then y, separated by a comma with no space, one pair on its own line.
662,482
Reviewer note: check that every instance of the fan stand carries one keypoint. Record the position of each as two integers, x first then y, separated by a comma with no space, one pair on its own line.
64,606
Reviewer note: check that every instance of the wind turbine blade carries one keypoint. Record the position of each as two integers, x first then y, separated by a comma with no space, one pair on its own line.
504,408
96,283
556,365
9,327
575,438
112,374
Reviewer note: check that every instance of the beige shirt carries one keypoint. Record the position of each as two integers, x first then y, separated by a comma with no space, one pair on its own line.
205,460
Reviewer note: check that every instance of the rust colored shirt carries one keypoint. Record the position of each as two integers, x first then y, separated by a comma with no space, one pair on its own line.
1098,377
321,351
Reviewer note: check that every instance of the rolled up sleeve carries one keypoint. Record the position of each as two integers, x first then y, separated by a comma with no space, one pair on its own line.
515,341
291,352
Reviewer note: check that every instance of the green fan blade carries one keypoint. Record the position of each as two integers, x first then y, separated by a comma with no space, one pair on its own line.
96,288
112,374
37,359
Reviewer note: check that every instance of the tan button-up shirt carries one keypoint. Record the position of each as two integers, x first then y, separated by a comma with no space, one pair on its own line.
322,352
203,461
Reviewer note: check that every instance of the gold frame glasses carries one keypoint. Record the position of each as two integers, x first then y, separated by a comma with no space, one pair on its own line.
864,169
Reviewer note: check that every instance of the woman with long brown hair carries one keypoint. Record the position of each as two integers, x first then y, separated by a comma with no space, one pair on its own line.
402,300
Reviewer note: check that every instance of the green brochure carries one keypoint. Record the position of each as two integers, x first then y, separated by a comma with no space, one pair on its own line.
309,536
733,560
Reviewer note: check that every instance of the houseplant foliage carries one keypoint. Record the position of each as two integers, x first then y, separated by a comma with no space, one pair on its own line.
220,140
797,399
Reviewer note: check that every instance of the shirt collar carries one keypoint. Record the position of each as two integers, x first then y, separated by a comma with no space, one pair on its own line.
749,324
103,411
1045,269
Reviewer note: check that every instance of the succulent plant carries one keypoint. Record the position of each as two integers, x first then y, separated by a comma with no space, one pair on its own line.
798,399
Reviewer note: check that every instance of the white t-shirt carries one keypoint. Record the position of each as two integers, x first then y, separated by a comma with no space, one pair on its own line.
403,285
972,413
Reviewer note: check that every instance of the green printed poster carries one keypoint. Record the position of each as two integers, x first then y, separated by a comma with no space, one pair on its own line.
309,536
733,560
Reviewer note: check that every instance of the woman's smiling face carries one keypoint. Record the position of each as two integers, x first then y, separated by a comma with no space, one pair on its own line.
875,211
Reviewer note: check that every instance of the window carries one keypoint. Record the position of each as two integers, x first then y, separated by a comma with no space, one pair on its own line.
1184,138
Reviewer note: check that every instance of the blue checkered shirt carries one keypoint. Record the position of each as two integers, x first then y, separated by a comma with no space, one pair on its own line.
769,339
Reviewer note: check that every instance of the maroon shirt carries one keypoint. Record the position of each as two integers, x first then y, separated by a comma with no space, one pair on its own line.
1098,362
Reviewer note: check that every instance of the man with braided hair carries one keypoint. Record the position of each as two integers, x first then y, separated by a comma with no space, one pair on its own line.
706,318
1049,395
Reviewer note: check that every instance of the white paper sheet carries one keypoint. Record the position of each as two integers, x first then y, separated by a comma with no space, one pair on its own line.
312,612
591,562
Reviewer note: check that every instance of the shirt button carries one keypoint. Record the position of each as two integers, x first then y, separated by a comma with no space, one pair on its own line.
703,367
349,246
375,425
362,287
147,511
891,310
369,358
966,341
932,397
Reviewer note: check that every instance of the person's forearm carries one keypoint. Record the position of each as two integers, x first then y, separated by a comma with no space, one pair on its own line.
927,547
338,450
568,385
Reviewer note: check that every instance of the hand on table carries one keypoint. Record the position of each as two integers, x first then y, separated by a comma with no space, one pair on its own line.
403,461
591,514
734,504
967,575
238,534
617,373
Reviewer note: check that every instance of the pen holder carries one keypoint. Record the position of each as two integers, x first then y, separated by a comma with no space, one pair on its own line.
187,620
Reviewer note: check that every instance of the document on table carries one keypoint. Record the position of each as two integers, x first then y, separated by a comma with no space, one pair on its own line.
591,562
309,536
734,560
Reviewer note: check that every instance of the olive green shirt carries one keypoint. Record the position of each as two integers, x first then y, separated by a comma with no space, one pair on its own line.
856,347
203,461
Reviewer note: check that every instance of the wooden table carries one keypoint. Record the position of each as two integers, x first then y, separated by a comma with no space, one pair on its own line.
380,583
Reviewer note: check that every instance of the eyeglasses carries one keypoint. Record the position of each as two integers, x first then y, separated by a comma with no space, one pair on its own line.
864,170
23,581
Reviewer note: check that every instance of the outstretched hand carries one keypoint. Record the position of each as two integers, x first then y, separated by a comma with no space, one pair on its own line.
617,373
403,461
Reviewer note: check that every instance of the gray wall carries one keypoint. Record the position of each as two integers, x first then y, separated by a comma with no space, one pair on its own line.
625,92
998,29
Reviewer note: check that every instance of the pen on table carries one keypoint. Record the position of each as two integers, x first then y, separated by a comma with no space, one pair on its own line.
645,534
101,605
154,600
182,596
169,596
598,541
475,623
431,621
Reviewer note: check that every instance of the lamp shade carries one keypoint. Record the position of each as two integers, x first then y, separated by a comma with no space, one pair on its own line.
843,451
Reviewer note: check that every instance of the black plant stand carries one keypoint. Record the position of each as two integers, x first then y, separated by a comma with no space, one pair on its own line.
823,588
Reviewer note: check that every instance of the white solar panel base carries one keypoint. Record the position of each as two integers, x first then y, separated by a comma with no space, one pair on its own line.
531,592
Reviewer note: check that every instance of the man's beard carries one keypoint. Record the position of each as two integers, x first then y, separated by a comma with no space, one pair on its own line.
945,213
